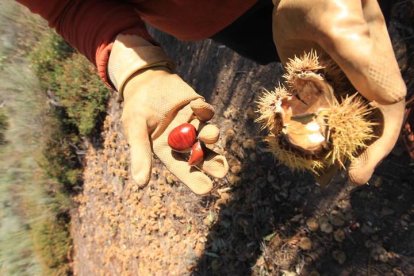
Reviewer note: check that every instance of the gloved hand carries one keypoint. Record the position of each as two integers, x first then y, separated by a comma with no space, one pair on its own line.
352,33
155,102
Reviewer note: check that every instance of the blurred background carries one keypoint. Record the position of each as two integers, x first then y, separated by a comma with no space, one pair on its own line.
60,214
49,98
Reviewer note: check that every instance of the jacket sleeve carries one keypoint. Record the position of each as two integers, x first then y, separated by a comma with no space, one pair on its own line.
90,25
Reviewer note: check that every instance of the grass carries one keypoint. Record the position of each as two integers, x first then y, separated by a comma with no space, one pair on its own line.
39,165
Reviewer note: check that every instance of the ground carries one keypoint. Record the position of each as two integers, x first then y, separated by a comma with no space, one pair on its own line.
261,219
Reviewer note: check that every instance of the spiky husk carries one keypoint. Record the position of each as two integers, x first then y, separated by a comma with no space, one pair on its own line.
349,131
312,62
348,121
268,107
307,62
350,128
293,161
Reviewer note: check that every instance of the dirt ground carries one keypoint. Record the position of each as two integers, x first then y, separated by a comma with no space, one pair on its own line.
261,219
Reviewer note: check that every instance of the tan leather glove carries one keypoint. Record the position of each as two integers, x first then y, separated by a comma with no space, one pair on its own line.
353,33
155,102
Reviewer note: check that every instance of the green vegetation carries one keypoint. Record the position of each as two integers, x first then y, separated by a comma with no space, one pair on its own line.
40,165
82,93
72,81
78,100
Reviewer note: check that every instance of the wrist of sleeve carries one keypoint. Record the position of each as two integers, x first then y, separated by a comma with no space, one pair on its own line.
131,54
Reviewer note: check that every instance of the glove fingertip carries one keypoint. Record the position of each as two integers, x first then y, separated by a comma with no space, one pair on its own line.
202,110
360,171
197,181
141,178
141,172
216,166
360,178
203,189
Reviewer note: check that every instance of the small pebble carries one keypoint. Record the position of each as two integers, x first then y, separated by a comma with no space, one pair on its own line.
234,147
379,253
305,243
339,235
237,150
229,135
339,256
337,218
236,169
249,144
233,179
326,227
312,224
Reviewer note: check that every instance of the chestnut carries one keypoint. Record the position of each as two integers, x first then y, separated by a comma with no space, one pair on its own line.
196,155
182,137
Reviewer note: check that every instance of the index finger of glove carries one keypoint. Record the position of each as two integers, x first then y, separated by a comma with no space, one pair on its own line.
202,110
359,43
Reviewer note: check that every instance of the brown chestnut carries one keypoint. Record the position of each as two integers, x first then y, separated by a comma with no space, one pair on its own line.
182,137
196,155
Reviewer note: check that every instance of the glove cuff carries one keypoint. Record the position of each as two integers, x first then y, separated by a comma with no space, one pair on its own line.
130,54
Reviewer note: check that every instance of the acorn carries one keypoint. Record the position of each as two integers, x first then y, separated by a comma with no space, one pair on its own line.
182,137
196,155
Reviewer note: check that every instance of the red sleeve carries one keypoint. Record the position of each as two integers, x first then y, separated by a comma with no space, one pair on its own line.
90,25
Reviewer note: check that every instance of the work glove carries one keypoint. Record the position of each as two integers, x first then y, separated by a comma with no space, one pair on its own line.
352,33
155,102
